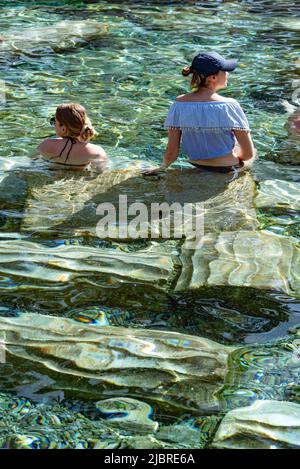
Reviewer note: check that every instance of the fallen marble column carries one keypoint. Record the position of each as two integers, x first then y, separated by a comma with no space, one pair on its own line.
71,263
179,370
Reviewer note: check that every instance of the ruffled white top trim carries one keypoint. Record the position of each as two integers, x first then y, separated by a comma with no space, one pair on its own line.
210,116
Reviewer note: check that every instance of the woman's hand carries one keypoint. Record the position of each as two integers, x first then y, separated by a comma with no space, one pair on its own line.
171,153
246,151
35,155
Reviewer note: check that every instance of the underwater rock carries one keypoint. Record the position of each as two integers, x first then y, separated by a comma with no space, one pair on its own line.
25,425
12,196
233,209
245,258
68,203
93,316
293,24
59,36
13,192
267,170
278,201
128,413
295,330
72,263
103,316
264,425
178,369
289,149
134,442
192,433
276,193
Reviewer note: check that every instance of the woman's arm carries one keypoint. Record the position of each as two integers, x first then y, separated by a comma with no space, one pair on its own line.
35,155
171,153
247,150
40,150
45,148
96,151
98,158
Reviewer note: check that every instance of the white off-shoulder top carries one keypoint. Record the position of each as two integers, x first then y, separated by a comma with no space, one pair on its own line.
207,127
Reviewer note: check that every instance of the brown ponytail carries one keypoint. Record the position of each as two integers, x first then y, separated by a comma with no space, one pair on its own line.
197,81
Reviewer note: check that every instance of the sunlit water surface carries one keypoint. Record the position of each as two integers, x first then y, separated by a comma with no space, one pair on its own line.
127,74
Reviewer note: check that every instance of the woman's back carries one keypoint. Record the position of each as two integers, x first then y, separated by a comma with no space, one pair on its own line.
67,152
206,126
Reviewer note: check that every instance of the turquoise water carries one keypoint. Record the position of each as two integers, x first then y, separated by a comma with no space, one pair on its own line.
127,74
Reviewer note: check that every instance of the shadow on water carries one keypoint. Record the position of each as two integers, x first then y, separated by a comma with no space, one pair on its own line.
170,188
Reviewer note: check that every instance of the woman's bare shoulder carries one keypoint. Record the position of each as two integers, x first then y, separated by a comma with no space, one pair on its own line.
49,145
185,97
192,97
229,100
95,150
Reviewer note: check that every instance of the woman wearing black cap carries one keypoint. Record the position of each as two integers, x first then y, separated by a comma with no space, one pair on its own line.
206,125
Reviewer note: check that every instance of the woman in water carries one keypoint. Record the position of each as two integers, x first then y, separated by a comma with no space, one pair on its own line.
71,149
206,125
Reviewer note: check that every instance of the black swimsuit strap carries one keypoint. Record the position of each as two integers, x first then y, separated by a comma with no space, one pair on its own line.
63,148
70,139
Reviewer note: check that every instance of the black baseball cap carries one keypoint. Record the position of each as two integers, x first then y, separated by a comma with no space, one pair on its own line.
208,63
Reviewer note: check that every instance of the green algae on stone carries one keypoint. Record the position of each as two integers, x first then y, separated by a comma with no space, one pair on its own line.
266,424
